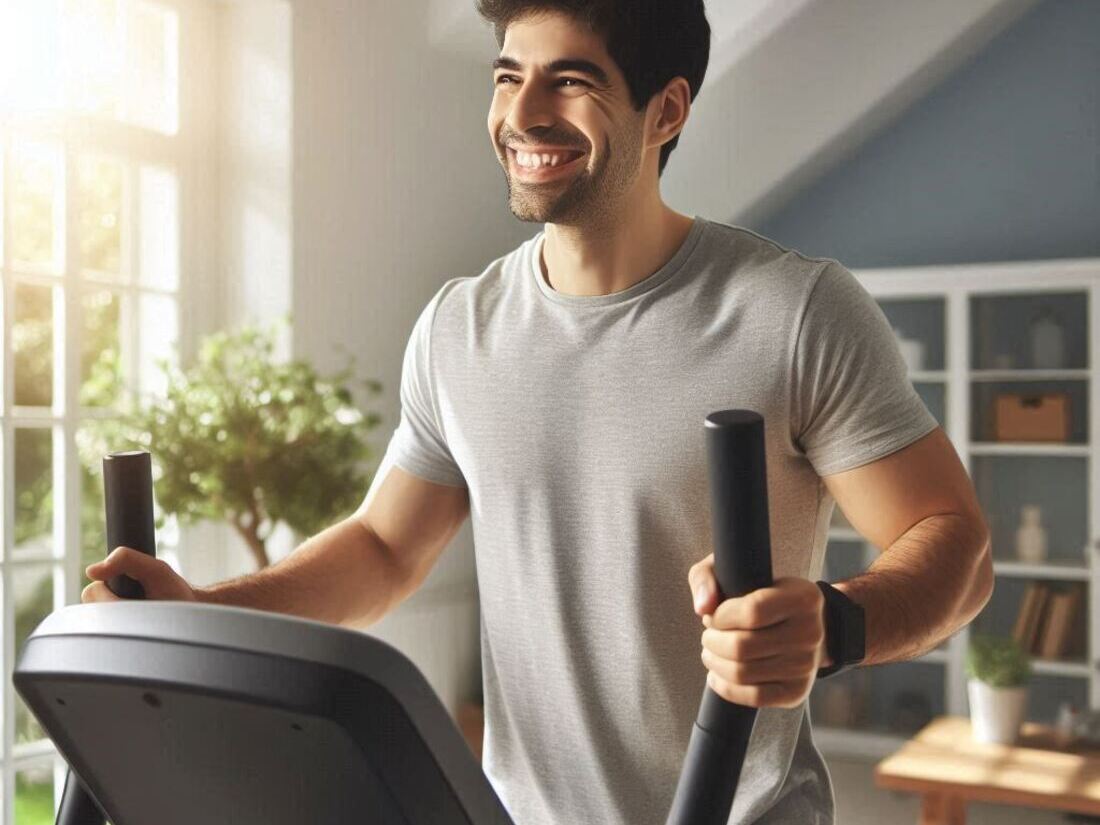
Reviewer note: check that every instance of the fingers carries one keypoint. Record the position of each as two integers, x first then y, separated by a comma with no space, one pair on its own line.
97,592
157,578
784,668
787,597
765,694
748,645
704,587
121,560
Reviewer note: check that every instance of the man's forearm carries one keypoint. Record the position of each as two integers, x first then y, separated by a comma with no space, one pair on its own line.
928,584
343,575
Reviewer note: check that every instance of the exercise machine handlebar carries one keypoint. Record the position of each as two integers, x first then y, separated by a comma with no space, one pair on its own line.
736,461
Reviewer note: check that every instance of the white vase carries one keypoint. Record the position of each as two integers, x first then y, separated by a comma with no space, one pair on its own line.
996,713
1031,538
912,351
1047,341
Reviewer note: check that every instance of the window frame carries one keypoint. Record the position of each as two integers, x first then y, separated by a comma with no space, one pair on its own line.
187,152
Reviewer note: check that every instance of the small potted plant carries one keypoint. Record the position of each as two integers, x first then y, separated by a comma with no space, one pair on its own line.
998,669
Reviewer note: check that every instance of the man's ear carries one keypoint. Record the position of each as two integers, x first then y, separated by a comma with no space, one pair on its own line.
669,110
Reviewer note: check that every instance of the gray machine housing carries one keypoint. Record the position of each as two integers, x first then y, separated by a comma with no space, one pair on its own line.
176,713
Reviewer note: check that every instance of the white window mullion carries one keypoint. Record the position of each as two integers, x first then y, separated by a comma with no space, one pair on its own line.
66,460
130,325
7,518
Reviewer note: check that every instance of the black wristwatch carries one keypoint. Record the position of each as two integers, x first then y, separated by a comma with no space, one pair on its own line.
844,631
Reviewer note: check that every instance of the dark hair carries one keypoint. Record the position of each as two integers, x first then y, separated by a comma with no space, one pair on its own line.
651,41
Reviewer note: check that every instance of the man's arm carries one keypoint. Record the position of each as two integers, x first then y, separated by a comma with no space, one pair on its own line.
352,573
935,570
935,574
356,571
343,575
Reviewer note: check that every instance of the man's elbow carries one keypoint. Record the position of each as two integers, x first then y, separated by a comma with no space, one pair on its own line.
981,575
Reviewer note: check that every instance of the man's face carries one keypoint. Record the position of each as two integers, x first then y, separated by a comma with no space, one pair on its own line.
583,119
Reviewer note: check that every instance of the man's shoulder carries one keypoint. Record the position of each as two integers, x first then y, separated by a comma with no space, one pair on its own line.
475,295
751,248
762,264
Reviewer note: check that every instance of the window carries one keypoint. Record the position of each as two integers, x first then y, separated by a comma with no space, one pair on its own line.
93,175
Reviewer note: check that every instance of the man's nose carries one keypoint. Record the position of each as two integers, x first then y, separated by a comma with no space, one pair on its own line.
530,107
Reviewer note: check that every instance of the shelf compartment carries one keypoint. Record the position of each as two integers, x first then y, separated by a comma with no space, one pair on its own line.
922,319
1058,485
844,559
895,699
1046,692
934,396
1001,324
1000,613
984,393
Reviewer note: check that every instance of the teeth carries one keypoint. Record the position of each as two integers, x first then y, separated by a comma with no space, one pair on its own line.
533,161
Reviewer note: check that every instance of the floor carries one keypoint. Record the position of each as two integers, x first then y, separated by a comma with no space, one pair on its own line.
860,802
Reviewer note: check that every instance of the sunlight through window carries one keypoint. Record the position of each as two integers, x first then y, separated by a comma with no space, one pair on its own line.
113,59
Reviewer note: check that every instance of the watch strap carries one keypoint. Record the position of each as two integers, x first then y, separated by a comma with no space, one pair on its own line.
844,631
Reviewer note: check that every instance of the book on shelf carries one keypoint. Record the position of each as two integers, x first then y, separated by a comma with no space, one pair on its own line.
1047,625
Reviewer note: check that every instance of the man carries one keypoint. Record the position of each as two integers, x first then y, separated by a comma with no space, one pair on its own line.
558,398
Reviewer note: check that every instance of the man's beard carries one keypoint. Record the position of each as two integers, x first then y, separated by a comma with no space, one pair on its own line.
585,198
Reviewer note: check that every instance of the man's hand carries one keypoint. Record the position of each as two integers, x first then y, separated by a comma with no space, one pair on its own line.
158,579
764,648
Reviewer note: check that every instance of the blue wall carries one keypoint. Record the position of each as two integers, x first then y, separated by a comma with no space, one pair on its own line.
1001,161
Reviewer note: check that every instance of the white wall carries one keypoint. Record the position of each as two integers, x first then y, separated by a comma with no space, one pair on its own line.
255,144
246,200
396,189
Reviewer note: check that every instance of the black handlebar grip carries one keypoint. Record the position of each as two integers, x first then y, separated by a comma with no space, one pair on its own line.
128,501
742,563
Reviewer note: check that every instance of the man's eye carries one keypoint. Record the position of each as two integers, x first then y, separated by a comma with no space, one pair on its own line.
578,81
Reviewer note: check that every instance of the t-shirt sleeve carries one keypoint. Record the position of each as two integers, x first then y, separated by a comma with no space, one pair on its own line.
418,444
852,399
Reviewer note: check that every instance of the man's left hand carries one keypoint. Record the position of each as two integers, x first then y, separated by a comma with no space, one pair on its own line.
762,649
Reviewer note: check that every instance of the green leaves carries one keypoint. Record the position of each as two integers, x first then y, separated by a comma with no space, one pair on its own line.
241,437
998,661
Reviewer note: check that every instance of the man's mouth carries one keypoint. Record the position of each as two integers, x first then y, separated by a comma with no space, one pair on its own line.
537,167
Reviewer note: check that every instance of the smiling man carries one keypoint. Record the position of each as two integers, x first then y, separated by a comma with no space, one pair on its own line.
558,399
566,388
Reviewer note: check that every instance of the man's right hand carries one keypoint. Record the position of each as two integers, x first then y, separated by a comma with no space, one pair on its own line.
158,579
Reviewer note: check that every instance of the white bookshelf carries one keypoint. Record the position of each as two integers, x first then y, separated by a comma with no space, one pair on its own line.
969,316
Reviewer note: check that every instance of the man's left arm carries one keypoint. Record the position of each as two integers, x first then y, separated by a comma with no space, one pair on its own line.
935,569
933,575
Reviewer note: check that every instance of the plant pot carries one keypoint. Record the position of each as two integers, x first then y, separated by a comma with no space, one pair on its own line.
996,713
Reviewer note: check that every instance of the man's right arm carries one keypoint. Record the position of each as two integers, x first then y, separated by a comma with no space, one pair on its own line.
352,573
342,575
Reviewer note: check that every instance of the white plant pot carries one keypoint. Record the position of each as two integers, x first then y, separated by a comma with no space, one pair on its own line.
996,713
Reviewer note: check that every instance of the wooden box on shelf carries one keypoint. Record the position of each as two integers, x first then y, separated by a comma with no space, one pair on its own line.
1031,416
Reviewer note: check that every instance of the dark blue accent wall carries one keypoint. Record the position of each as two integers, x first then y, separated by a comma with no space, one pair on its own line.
1001,161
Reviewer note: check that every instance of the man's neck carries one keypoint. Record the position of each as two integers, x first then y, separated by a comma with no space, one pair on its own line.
602,259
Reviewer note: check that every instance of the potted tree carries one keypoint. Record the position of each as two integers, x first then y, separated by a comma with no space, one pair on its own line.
243,438
998,669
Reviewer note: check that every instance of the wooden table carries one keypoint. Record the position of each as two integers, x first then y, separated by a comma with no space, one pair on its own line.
948,768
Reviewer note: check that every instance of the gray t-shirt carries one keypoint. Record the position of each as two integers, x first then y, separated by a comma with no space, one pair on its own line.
576,422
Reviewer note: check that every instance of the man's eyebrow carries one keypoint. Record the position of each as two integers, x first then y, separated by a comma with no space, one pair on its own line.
570,64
